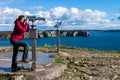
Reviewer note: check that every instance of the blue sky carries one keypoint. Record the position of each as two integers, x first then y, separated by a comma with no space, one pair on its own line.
85,4
111,6
75,14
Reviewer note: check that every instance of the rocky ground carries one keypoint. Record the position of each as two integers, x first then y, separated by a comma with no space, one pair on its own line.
77,64
88,66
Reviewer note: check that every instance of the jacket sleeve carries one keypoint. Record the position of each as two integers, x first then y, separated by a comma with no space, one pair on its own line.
20,27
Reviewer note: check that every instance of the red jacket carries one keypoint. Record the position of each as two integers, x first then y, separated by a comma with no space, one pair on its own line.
19,30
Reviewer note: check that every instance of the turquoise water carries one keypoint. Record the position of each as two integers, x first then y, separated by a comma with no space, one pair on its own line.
97,40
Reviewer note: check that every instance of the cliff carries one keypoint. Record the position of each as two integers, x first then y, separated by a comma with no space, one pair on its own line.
63,33
49,33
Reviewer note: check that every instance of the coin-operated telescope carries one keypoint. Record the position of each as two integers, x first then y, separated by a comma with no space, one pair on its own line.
33,35
58,35
33,19
33,30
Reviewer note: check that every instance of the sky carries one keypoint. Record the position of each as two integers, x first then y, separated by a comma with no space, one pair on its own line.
74,14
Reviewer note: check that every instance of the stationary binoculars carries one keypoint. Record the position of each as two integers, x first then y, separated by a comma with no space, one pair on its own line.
33,19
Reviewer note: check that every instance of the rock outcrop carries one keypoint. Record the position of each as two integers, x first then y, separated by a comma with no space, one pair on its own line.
50,33
63,33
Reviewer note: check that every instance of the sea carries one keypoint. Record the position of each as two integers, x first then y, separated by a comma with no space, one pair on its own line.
99,40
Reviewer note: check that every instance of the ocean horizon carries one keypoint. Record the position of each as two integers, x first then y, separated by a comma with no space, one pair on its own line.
98,40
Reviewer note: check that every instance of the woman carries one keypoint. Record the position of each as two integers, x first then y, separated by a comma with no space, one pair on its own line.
21,26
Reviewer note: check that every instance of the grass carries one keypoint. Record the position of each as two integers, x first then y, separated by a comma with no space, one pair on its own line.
79,74
4,78
47,48
93,51
59,60
44,48
6,49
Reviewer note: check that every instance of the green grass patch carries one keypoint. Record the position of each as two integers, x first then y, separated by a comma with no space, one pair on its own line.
4,78
47,48
59,60
80,74
92,51
6,49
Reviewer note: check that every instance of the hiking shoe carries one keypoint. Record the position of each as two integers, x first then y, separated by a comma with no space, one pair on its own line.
29,59
26,60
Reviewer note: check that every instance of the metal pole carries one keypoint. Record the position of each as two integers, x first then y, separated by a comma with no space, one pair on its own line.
34,53
33,37
58,40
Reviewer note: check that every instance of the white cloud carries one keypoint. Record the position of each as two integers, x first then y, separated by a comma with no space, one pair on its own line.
46,14
75,14
8,15
50,23
59,12
72,18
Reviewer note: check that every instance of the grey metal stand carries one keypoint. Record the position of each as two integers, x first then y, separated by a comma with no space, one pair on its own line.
33,36
58,40
58,35
34,54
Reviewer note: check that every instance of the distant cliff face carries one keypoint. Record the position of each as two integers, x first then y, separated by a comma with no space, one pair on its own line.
5,35
75,33
63,33
50,33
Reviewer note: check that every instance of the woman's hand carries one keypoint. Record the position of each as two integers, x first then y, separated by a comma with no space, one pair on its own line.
27,20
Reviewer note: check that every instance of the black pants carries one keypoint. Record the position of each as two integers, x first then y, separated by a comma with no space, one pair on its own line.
16,46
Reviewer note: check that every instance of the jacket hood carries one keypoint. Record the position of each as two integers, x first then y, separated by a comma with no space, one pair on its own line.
16,20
